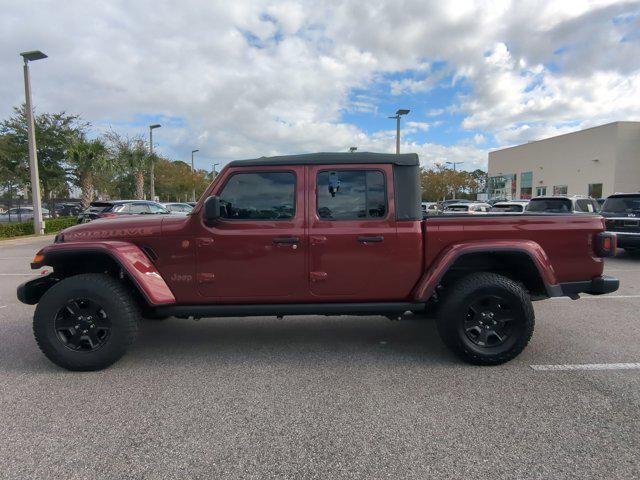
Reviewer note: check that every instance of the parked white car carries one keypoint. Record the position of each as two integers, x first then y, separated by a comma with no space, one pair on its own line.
473,208
178,208
512,206
21,214
430,208
563,204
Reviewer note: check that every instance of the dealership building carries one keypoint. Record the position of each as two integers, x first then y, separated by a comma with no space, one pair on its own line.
596,161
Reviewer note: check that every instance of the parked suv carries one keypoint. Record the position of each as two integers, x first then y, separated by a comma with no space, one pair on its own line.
115,208
563,204
622,213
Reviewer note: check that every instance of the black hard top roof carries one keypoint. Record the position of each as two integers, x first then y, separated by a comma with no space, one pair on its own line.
330,158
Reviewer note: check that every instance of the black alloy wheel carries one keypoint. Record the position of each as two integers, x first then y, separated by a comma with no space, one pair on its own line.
82,325
87,321
486,318
489,321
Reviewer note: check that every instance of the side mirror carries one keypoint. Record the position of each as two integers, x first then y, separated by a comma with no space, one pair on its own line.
211,209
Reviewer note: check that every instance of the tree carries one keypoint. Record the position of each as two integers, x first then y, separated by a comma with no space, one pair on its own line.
174,180
55,133
88,160
440,182
478,181
132,155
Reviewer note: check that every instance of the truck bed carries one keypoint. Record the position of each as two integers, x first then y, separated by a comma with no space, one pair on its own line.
566,240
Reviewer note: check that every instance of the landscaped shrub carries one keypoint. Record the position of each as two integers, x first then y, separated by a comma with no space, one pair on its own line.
52,225
8,230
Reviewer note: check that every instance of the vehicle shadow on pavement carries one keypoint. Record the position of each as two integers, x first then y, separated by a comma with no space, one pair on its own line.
264,340
293,339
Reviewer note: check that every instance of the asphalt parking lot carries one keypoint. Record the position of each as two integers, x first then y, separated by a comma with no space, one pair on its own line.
345,397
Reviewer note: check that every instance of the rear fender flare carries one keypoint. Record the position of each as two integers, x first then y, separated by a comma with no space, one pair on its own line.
128,256
441,265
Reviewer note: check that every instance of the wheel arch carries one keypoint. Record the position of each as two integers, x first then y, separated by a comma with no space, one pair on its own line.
122,260
524,262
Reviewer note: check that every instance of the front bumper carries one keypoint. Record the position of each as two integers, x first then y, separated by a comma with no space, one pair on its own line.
596,286
31,292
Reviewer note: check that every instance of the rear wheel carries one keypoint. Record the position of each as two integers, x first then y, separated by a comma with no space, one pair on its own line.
86,322
486,319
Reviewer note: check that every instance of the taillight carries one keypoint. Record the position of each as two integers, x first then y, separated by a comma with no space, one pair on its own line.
606,244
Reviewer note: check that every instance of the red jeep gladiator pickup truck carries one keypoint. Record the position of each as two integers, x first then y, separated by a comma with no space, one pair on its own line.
315,234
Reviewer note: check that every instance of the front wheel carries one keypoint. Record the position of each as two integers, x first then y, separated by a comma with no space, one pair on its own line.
86,322
486,319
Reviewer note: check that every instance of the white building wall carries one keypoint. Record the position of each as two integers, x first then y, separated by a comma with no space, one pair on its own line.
608,154
627,173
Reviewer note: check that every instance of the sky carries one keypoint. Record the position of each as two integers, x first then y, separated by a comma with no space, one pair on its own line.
241,79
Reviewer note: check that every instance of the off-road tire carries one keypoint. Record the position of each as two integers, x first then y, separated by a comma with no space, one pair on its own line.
454,313
114,299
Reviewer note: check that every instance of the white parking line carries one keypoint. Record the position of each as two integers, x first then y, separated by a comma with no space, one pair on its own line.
4,306
588,366
597,296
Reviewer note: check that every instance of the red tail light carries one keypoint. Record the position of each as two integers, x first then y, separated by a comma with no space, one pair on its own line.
606,244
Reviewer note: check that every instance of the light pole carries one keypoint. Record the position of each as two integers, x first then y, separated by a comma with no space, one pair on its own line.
152,182
454,164
193,195
38,224
454,169
215,173
397,116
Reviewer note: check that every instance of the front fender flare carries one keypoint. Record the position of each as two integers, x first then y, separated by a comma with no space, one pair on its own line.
432,277
128,256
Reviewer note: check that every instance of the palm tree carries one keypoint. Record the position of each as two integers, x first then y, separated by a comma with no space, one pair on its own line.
132,155
88,159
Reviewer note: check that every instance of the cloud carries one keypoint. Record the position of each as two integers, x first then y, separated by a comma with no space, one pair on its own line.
257,77
415,126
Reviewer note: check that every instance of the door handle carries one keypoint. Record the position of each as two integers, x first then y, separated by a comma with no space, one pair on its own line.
286,240
376,239
203,242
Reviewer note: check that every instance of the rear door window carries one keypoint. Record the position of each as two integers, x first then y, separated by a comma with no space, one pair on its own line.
156,208
351,194
138,208
586,205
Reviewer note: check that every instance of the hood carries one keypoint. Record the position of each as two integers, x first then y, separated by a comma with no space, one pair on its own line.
125,227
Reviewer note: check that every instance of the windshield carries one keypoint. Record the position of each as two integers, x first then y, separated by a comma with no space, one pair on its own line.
557,205
630,204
